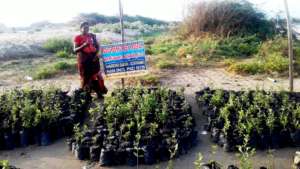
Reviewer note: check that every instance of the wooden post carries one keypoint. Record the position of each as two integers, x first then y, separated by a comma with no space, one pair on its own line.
122,33
290,43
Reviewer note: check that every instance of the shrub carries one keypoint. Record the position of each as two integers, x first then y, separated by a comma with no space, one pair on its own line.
58,44
275,62
165,64
51,70
272,56
226,18
207,46
45,73
146,80
167,46
276,45
64,66
252,67
62,54
238,46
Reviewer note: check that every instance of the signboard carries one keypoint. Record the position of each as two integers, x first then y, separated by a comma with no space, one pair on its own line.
124,59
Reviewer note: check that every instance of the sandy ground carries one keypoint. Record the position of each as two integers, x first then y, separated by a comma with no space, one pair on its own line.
56,156
28,44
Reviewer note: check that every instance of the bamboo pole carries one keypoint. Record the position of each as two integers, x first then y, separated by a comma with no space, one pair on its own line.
122,32
290,43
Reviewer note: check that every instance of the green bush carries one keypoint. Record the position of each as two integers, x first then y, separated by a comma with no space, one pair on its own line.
226,18
272,56
166,45
45,73
62,54
58,44
206,46
64,66
253,67
276,45
273,63
96,29
238,46
165,64
51,70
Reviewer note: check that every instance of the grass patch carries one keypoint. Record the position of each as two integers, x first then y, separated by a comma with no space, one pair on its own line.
206,46
63,54
147,80
238,46
252,67
273,63
244,55
64,66
45,73
272,56
58,44
165,64
51,70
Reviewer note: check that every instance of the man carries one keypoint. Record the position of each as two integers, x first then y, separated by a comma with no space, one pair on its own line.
86,48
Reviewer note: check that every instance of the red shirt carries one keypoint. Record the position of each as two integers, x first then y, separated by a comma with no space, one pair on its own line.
80,39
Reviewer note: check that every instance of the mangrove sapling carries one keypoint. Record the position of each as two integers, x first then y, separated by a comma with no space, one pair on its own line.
153,129
217,98
204,101
285,137
199,161
27,114
173,150
78,134
245,154
140,121
4,164
271,124
95,150
81,150
224,115
295,128
93,113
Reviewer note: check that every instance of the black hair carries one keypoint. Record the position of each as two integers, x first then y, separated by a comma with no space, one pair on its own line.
84,24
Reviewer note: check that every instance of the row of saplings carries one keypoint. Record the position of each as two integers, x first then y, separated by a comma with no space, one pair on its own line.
136,126
4,164
261,119
39,116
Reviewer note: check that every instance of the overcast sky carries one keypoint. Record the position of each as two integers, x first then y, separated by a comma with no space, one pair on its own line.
25,12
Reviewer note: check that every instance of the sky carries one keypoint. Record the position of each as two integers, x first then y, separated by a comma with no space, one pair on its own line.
15,13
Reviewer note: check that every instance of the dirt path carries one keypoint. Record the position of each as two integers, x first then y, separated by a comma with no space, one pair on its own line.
56,156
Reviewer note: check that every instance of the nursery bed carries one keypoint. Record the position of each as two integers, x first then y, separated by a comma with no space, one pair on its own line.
256,119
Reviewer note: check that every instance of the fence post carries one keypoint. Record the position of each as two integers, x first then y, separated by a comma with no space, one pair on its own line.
290,43
122,33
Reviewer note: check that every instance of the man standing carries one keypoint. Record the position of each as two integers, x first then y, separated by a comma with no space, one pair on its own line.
86,48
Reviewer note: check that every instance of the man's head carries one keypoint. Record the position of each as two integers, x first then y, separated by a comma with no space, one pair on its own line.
84,27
